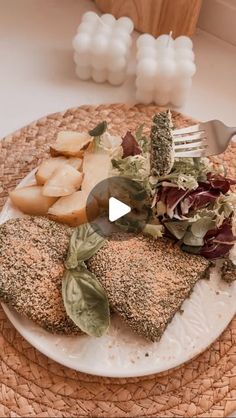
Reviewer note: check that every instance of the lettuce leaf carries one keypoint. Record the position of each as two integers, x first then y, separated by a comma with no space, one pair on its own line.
142,140
134,167
155,230
186,173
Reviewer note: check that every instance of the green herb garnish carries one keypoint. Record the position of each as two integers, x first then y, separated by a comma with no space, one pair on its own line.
99,129
84,243
84,298
97,132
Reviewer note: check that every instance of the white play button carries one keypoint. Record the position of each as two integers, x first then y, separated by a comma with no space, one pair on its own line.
117,209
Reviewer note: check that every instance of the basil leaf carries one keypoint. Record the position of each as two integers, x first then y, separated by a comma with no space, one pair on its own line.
85,301
99,129
84,243
71,259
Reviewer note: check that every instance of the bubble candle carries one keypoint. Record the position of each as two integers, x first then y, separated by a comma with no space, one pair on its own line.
102,46
165,68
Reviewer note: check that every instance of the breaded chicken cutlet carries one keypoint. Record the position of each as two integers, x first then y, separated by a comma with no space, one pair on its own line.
146,280
32,254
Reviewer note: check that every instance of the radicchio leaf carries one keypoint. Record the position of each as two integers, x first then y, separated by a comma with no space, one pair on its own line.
170,197
219,182
173,198
198,199
130,145
179,202
218,241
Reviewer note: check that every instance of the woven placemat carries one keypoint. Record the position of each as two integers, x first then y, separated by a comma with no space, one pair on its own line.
33,385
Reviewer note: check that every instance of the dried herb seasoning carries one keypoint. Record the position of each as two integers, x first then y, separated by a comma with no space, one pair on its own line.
162,147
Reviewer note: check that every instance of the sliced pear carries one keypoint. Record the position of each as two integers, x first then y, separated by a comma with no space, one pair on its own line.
70,144
31,200
73,209
64,181
47,167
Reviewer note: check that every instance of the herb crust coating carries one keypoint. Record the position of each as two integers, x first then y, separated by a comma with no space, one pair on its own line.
162,145
32,254
146,280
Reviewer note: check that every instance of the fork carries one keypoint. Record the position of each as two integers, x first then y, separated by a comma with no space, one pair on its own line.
203,139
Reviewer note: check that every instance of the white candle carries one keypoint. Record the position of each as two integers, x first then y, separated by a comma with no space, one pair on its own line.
83,72
99,76
102,47
165,68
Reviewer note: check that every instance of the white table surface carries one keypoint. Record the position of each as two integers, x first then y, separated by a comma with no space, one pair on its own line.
37,71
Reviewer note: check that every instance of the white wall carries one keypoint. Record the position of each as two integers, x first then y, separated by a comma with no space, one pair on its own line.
219,18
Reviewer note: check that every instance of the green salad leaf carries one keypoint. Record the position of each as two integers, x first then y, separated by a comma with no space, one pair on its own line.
225,204
136,167
84,243
191,249
154,230
191,239
177,228
186,173
142,140
201,226
191,231
85,301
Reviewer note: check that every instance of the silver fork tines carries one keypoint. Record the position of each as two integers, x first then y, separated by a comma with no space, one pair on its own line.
191,153
203,139
188,129
190,146
189,138
190,142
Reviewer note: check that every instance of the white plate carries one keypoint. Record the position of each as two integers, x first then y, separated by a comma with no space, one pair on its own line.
121,353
